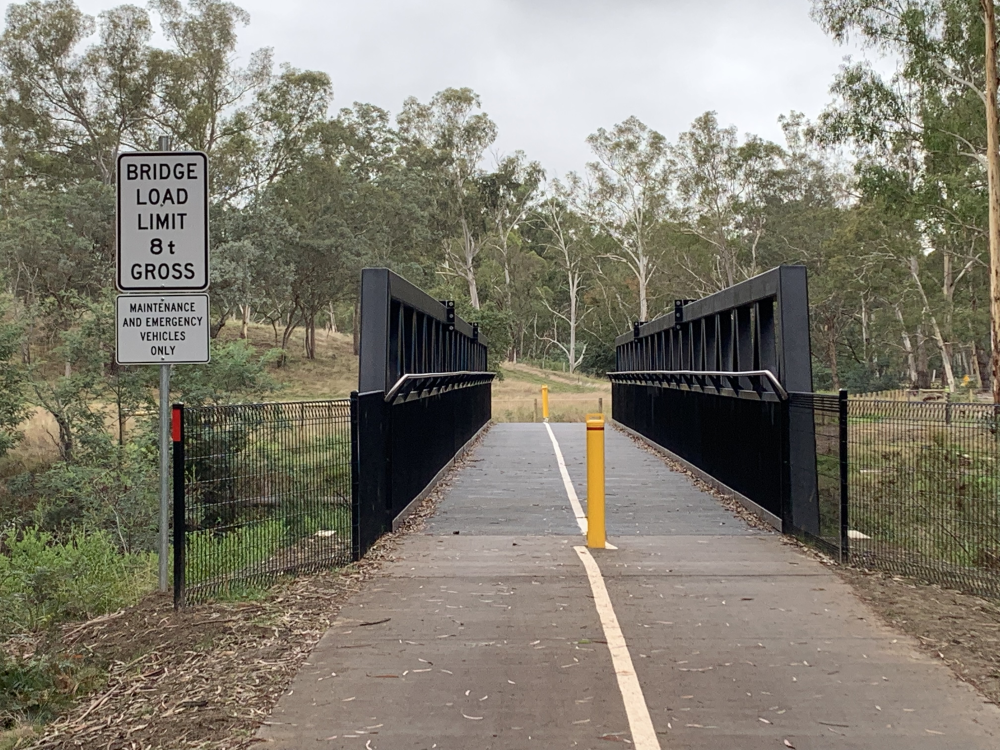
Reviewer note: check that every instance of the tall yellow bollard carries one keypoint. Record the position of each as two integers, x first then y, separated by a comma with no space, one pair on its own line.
545,403
595,481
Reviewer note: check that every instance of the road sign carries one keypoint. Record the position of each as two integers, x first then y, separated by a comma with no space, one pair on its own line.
162,329
162,221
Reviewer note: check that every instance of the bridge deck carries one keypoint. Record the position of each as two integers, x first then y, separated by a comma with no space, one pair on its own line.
484,633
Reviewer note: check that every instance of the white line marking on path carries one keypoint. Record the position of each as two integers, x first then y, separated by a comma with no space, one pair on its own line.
643,734
581,519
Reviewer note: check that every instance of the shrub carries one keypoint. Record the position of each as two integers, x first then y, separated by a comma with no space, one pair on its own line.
119,497
44,581
36,688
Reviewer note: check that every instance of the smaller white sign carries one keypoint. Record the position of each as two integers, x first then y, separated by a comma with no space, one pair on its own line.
161,329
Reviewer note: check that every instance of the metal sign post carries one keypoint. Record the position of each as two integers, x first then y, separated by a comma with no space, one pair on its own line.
164,472
164,145
162,211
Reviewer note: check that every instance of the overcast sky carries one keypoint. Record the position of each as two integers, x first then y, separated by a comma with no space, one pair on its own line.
552,71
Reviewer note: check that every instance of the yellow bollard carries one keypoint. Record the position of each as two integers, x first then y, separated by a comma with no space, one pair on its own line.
595,481
545,403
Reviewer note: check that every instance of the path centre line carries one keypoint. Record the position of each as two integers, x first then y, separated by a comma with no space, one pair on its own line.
581,517
643,735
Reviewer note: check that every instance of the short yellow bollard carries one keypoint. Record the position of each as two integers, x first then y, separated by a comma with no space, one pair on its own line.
595,481
545,403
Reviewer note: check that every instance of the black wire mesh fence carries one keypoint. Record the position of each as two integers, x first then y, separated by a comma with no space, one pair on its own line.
265,491
924,485
823,420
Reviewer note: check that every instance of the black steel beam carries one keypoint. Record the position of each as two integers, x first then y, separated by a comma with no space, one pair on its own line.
406,331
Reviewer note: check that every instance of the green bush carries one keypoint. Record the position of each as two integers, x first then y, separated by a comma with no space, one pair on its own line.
35,689
120,498
44,580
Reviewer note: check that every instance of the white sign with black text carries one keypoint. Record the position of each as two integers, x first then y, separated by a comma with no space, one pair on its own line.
162,329
162,221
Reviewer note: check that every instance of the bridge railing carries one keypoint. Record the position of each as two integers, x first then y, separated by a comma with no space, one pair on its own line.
712,381
424,395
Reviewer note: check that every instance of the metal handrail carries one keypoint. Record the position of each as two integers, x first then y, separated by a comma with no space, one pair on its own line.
464,376
766,374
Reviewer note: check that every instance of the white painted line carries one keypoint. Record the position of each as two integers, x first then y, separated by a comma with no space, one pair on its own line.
581,518
643,735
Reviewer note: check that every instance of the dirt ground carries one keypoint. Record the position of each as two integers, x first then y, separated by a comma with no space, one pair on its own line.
961,630
204,677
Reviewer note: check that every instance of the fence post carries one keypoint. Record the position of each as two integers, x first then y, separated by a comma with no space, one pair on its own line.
844,538
180,511
355,482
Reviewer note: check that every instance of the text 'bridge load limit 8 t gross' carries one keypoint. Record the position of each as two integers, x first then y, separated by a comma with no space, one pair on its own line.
162,222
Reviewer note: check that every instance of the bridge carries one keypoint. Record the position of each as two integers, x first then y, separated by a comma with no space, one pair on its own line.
705,623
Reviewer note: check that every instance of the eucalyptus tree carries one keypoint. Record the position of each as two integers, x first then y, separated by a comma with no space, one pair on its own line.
318,202
203,100
626,194
724,188
450,135
70,107
568,239
509,193
921,132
